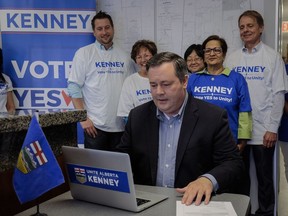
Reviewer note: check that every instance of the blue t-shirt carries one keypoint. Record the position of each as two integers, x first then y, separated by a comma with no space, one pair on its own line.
228,90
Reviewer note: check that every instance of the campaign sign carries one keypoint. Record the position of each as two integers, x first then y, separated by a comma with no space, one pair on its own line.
96,177
39,40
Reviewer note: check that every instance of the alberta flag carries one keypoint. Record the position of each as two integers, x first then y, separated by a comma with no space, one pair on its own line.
37,170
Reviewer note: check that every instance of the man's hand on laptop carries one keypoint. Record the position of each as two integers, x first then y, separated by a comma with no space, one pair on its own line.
197,190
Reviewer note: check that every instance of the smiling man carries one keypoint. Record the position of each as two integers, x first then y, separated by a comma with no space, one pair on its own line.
179,141
264,71
95,82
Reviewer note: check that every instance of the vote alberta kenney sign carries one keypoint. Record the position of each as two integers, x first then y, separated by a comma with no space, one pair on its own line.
96,177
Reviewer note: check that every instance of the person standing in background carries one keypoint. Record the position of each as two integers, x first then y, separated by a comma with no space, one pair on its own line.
136,87
264,71
95,82
194,58
283,135
223,87
283,132
6,90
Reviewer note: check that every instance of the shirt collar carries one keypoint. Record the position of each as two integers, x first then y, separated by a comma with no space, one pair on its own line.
102,47
254,50
225,72
160,115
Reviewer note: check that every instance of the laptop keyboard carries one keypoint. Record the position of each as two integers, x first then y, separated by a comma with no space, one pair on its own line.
141,201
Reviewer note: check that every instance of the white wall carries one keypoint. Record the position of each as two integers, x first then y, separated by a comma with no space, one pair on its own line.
175,24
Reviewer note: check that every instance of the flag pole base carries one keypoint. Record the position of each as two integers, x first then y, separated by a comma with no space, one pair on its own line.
38,212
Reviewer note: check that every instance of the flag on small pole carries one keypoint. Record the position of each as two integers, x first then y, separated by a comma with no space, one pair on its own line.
37,169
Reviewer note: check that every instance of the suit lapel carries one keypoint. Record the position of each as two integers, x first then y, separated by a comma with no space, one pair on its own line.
190,119
153,142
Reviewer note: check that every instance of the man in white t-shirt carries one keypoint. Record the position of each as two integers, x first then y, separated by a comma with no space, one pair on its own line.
95,82
264,71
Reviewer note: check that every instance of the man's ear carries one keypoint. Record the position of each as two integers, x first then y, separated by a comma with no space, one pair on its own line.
185,82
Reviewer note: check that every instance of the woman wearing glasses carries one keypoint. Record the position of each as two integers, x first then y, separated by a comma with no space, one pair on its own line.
194,58
227,89
223,87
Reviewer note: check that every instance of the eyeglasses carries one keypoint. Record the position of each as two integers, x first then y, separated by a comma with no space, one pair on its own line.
216,50
195,60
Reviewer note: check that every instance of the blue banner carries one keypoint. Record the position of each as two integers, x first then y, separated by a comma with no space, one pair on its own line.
39,39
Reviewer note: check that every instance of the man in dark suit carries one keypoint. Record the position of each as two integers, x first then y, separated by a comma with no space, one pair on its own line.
178,141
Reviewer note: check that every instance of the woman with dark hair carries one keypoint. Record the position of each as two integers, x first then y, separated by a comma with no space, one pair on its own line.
194,58
225,88
6,95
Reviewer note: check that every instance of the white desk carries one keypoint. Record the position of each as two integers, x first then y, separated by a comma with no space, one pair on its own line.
65,205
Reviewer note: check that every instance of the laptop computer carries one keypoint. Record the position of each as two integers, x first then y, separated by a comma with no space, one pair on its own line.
105,178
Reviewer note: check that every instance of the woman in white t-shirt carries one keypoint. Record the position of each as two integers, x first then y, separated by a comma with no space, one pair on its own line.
136,87
6,95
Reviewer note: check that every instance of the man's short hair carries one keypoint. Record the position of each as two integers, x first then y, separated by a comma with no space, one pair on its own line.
252,14
101,15
179,63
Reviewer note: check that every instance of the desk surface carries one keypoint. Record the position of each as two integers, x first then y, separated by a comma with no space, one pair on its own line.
65,205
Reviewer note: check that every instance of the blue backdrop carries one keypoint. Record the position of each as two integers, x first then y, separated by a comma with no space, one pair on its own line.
39,39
